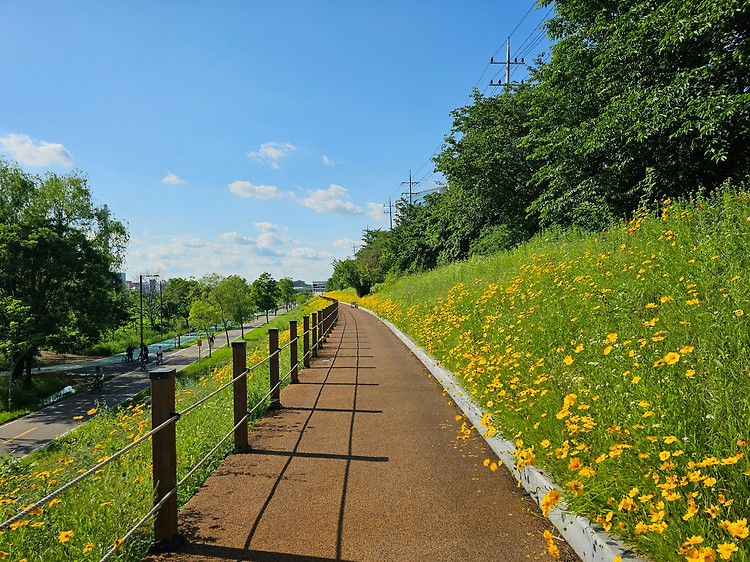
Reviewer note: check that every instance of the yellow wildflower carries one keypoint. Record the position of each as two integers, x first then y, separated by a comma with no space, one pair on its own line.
550,500
575,487
65,536
738,529
726,550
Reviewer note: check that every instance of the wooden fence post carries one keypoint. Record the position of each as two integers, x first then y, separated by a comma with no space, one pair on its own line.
321,335
323,323
314,343
273,363
306,341
164,451
293,350
239,365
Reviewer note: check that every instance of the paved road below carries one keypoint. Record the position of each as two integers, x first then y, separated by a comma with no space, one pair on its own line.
30,433
363,462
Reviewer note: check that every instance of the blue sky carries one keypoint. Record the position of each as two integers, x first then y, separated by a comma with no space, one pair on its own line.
239,137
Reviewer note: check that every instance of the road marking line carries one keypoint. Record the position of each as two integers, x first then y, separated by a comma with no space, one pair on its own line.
17,436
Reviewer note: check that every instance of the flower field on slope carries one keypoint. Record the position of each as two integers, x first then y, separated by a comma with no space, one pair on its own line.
618,362
90,518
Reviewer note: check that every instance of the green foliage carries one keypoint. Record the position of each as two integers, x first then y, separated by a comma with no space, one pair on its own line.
58,255
264,293
640,99
26,398
287,294
178,296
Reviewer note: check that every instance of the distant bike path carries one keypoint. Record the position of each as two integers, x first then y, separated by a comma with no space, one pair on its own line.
30,433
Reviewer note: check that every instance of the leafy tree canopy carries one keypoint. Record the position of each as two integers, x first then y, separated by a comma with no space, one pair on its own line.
58,257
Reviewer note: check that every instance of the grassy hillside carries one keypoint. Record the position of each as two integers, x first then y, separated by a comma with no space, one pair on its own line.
618,362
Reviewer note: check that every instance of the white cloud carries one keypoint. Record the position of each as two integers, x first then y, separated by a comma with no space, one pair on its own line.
236,238
376,211
331,201
247,189
309,253
265,226
229,253
272,152
269,239
172,179
25,151
344,243
327,161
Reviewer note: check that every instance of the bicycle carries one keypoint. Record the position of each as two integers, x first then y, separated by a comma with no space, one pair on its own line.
97,384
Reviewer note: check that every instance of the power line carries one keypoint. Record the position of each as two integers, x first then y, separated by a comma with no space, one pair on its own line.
534,38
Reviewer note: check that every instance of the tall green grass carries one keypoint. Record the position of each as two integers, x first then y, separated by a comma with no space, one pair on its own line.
618,362
92,517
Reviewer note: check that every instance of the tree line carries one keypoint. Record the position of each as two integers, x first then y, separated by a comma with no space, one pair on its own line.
59,286
640,99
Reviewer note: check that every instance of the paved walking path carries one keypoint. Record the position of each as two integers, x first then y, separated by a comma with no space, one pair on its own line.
362,463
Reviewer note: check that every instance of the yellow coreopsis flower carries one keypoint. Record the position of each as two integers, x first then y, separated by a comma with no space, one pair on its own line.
550,500
671,358
65,536
575,487
726,550
575,463
738,529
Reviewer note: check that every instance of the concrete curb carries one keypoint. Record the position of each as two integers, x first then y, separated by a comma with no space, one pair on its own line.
591,542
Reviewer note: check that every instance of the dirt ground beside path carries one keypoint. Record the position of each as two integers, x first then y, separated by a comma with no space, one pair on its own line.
363,462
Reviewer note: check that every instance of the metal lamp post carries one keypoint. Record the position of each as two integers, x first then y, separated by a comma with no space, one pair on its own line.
140,287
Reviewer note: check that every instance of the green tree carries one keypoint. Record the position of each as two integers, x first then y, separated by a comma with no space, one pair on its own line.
264,293
641,99
58,257
214,292
178,296
287,293
487,169
236,294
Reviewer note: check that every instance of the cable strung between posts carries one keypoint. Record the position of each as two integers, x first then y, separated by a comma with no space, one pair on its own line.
88,473
200,462
215,392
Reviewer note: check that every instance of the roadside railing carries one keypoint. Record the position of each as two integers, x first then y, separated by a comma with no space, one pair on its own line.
315,329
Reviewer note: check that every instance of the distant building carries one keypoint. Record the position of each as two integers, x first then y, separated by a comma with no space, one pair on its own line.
319,287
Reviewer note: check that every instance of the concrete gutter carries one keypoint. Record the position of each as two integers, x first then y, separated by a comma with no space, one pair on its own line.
590,541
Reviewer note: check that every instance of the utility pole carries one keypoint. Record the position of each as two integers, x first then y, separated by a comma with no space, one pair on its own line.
390,212
507,64
411,183
140,289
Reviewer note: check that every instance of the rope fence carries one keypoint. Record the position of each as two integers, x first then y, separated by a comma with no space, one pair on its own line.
164,419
